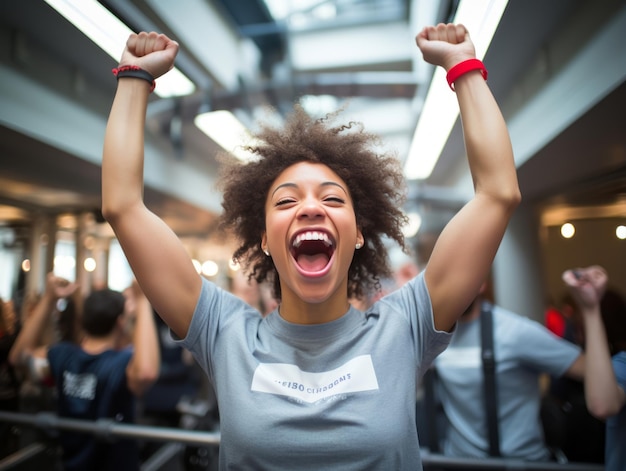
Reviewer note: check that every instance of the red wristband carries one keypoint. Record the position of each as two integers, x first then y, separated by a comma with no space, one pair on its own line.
464,67
135,72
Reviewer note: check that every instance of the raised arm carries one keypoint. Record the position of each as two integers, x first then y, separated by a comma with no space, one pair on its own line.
604,397
158,259
143,369
464,252
29,338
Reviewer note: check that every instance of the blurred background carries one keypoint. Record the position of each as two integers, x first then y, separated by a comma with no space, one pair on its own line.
556,67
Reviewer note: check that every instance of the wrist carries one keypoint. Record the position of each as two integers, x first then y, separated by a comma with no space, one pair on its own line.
464,67
453,61
135,72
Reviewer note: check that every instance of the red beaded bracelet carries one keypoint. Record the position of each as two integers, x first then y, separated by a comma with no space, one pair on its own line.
135,72
464,67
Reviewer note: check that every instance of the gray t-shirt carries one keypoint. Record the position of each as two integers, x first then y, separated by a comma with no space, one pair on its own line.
339,395
523,349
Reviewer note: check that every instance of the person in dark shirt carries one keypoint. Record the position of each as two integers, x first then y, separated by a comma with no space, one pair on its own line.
100,377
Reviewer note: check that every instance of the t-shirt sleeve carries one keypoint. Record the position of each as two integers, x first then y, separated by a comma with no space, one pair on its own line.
413,300
541,349
215,311
197,339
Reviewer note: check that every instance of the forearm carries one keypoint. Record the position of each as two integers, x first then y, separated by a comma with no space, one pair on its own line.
143,369
465,249
123,154
487,140
31,331
602,393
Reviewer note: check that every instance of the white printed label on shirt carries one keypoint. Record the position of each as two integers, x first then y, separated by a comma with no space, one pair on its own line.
460,357
357,375
82,386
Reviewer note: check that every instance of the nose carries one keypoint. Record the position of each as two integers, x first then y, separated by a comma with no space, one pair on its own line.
311,208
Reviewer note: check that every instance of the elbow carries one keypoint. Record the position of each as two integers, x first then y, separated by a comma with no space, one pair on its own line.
114,211
143,381
604,407
513,198
506,200
109,212
517,197
510,200
603,410
505,195
148,375
146,383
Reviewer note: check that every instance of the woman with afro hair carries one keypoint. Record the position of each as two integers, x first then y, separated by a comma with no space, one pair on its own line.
317,383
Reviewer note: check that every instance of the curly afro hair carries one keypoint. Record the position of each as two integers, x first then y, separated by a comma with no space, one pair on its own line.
375,182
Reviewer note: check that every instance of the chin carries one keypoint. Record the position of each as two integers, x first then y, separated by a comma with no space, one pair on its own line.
316,293
315,298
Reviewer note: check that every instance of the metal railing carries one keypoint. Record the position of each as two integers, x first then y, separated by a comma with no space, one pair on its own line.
435,461
110,429
22,456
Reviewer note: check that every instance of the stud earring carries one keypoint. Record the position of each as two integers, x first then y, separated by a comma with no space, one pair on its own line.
358,245
266,252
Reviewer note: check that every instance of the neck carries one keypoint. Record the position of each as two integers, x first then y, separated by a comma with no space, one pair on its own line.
293,309
95,345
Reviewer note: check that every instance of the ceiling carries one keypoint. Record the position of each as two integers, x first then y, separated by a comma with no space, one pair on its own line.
49,165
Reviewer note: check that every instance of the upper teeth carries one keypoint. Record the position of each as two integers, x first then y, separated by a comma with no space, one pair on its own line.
311,235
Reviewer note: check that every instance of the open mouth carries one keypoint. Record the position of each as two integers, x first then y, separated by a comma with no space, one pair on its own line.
312,250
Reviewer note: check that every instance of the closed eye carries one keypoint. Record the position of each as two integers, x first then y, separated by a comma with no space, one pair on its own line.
335,199
284,201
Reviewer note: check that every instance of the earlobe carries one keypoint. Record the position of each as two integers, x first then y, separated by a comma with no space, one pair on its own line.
360,240
264,245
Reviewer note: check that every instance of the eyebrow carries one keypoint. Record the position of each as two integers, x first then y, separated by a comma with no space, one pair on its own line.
294,185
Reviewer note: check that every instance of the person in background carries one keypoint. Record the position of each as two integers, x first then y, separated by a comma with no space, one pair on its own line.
9,378
524,351
268,301
315,384
403,269
178,385
98,378
605,383
568,424
245,288
554,319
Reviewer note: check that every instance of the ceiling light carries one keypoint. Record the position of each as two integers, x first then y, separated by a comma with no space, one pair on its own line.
89,264
227,131
568,230
210,268
110,34
440,110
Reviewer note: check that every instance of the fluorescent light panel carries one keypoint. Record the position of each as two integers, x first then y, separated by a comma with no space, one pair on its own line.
227,131
440,110
110,34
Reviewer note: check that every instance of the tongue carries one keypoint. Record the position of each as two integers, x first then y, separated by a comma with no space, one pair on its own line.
312,263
